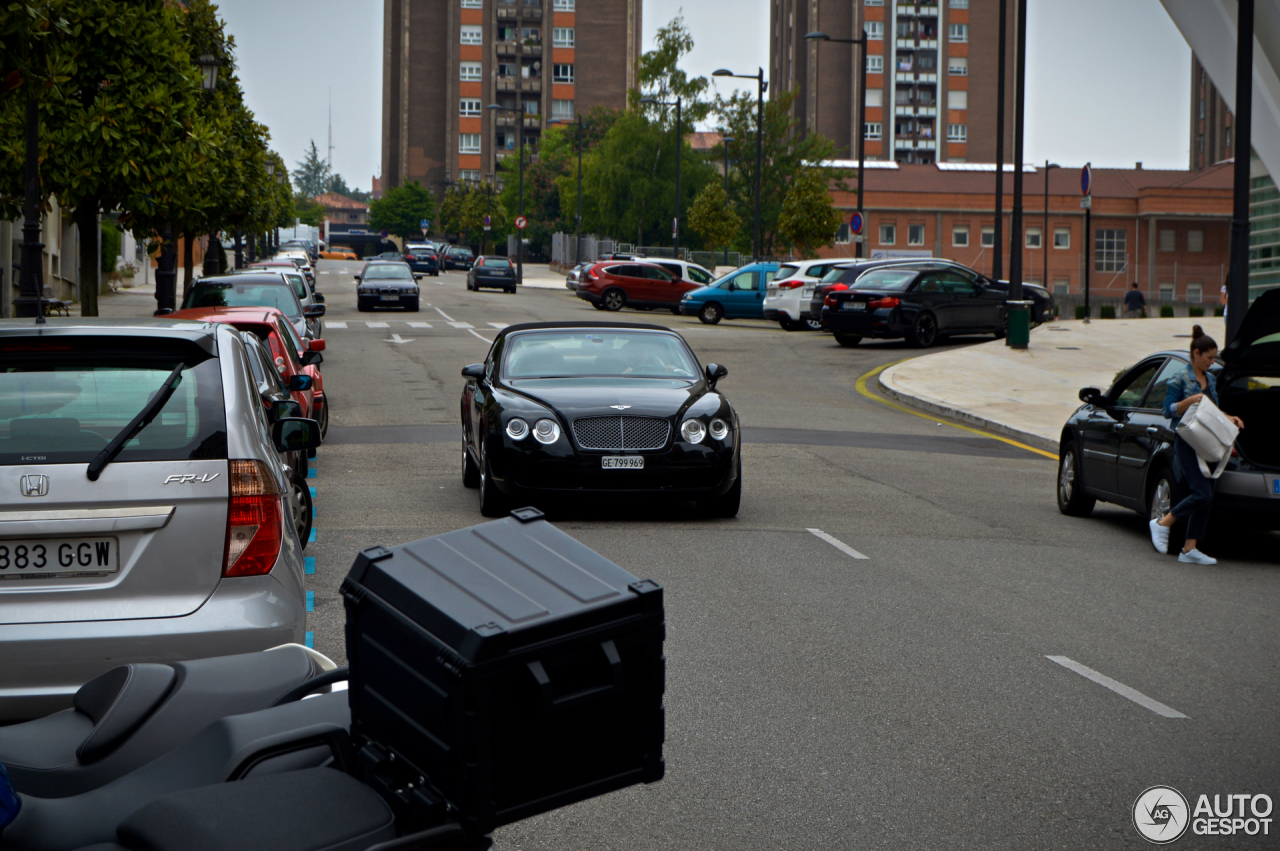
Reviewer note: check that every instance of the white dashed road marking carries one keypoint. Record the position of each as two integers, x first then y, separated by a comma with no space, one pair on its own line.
472,331
461,325
341,325
498,325
447,317
419,324
377,324
1119,688
837,543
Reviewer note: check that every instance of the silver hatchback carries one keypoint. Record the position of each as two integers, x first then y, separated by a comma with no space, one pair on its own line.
141,504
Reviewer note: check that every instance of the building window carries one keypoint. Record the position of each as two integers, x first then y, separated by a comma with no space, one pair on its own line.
1033,237
874,129
960,236
472,34
468,143
988,237
1109,250
562,73
1195,293
1168,240
473,4
1202,109
469,175
959,4
470,72
875,97
888,234
563,5
530,107
842,234
875,64
1062,237
958,66
562,109
562,37
873,2
470,106
915,234
875,30
1227,145
957,132
957,99
1195,240
1061,286
958,32
1166,292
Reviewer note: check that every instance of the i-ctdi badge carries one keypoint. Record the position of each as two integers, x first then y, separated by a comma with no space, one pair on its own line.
1161,815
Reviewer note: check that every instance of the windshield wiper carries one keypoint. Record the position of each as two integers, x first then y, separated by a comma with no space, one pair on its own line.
141,421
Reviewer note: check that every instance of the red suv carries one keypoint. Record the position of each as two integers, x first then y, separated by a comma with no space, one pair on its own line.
613,285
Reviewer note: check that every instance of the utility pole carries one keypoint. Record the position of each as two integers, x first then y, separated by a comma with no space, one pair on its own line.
997,265
1238,282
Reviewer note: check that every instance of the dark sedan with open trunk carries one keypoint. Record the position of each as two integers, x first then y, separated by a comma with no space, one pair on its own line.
574,408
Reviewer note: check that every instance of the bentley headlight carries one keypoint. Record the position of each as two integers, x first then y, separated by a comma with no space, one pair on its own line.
517,429
693,431
719,429
546,431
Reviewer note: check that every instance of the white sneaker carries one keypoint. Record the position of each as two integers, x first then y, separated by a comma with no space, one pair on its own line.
1196,557
1159,536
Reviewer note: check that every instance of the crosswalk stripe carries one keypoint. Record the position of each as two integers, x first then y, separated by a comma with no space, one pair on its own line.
342,325
377,324
498,325
461,325
837,543
419,324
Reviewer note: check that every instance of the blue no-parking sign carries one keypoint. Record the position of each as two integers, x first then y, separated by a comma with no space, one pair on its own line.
1086,179
855,223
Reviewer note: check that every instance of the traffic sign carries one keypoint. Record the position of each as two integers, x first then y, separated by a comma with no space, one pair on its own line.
488,220
425,224
521,222
1086,179
386,234
1086,202
855,223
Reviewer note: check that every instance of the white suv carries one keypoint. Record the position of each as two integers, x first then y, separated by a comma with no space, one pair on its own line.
787,299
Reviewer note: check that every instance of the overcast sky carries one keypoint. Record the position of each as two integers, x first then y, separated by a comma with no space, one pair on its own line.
1110,79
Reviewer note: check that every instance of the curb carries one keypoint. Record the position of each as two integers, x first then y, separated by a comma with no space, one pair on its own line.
895,392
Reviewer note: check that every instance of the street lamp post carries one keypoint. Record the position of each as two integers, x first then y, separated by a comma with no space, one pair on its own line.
675,223
862,111
725,141
520,205
30,285
762,87
1044,238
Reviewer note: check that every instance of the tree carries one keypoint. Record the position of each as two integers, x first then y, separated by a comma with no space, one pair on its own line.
338,185
400,210
808,219
786,154
712,219
308,210
661,77
312,176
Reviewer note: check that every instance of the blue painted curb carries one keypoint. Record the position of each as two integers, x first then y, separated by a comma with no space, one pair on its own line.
311,639
311,601
312,539
310,564
311,472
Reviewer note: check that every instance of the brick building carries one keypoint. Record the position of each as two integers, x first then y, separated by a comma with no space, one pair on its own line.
1168,230
340,209
1210,121
931,72
445,61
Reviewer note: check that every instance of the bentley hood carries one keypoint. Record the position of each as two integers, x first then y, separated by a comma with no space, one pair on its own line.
642,397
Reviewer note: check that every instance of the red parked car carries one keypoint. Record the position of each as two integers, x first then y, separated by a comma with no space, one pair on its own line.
614,285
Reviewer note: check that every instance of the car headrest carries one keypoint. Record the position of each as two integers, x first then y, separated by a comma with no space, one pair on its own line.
118,702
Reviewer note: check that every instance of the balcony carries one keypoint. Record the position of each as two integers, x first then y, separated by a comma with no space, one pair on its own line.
508,48
508,13
915,110
533,121
916,77
508,84
910,10
532,49
530,84
923,43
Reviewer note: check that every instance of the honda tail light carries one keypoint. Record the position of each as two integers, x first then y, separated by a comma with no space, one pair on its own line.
887,301
790,285
255,520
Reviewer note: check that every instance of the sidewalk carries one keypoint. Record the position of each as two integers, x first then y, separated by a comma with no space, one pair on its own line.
1029,394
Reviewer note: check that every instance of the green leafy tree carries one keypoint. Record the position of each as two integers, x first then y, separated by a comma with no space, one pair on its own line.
338,185
785,154
312,176
308,211
660,76
400,210
808,220
713,219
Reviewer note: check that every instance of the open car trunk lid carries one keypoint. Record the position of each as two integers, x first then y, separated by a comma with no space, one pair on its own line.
1249,385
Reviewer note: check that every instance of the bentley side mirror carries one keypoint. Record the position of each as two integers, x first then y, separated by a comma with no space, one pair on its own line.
294,434
473,370
300,382
715,372
1091,396
312,358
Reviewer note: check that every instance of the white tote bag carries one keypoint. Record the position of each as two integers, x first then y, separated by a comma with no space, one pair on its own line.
1208,431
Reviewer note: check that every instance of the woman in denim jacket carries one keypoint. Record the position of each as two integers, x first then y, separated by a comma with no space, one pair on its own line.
1184,390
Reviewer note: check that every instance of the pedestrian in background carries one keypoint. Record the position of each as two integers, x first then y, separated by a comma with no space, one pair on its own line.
1185,389
1134,302
1224,301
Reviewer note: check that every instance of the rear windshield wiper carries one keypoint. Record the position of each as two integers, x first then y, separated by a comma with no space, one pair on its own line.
141,421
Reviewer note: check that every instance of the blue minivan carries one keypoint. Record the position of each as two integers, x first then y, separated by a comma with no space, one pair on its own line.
738,295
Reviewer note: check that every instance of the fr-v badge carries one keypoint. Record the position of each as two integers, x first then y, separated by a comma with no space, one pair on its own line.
34,485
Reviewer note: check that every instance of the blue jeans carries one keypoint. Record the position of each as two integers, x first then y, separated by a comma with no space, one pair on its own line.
1196,507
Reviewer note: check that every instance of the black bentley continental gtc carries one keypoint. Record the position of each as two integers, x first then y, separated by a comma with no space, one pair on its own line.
571,408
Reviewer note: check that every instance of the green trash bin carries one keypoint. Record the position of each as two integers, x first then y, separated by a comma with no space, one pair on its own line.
1019,324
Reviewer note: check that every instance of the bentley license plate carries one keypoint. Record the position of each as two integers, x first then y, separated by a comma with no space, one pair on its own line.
629,462
854,305
29,559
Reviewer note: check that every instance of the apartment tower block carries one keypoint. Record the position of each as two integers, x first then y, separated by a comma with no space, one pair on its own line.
445,61
931,75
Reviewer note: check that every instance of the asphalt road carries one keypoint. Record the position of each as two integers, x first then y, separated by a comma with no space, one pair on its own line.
818,700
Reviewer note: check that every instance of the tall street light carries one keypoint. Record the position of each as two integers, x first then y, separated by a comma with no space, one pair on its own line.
762,87
725,140
520,211
1044,238
675,223
30,283
862,110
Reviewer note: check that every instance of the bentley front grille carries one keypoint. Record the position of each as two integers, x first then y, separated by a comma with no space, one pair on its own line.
621,432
